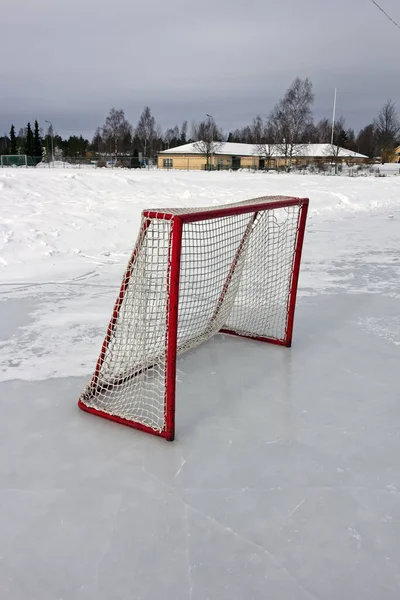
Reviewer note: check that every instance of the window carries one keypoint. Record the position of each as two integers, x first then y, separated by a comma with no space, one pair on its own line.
167,163
220,163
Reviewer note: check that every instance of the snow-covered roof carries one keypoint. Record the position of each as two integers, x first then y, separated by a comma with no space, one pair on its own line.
233,149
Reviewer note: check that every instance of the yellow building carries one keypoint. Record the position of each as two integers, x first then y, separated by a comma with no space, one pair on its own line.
228,155
391,156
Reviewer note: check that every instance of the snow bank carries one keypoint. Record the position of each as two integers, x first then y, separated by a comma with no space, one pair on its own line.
65,238
56,225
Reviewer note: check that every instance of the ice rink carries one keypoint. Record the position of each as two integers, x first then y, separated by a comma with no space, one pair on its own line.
284,479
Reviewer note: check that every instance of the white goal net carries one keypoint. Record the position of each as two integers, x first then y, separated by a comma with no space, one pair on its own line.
193,273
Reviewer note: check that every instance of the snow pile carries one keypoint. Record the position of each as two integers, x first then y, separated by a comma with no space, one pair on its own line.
56,224
65,238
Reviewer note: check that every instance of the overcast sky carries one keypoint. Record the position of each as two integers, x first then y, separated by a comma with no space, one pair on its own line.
70,61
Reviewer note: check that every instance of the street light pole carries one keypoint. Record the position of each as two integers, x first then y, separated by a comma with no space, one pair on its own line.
52,140
211,118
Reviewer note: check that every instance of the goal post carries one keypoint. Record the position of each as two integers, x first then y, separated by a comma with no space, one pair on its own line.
195,272
13,160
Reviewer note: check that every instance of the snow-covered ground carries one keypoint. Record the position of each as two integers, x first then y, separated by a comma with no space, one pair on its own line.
66,237
284,479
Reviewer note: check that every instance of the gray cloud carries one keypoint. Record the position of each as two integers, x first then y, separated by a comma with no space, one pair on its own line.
69,62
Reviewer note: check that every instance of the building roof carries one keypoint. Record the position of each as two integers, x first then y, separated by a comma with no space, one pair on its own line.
233,149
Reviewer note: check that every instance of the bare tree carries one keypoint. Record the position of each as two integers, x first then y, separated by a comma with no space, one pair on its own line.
97,141
176,134
183,135
257,130
172,137
117,131
334,149
323,132
21,140
387,127
267,145
311,135
169,137
146,131
292,117
249,134
159,139
208,139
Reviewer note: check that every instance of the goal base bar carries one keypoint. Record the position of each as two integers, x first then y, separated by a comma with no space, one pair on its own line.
256,338
121,421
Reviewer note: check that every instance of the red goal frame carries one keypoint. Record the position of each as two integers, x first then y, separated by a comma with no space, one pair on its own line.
174,261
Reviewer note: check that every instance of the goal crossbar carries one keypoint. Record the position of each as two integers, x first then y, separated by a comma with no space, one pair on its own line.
199,214
195,272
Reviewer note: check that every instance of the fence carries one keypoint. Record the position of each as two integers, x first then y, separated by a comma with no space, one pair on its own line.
196,163
106,161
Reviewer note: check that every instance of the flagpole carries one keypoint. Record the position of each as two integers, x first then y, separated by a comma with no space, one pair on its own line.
334,116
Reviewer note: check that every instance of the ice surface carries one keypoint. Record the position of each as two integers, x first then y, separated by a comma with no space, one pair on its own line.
284,479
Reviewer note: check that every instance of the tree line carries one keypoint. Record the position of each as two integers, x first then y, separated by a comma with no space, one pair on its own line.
289,125
40,145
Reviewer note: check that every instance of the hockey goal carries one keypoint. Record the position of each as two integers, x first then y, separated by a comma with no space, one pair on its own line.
193,273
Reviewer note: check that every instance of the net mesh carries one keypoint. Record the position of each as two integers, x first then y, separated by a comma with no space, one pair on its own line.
235,274
260,308
13,160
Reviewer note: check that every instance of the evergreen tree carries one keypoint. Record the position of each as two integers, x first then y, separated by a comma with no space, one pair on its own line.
4,145
342,138
37,142
21,140
13,141
183,139
29,146
367,142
